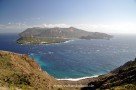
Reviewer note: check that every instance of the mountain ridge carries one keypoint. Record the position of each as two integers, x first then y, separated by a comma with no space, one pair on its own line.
70,32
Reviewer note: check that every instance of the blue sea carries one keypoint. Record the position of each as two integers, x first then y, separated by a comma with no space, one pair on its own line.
76,58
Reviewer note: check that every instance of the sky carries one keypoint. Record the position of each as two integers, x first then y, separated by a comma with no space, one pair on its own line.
108,16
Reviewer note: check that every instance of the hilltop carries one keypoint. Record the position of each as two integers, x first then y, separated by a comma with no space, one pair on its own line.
38,35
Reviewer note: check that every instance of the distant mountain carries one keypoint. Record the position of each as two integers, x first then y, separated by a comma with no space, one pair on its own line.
55,35
70,32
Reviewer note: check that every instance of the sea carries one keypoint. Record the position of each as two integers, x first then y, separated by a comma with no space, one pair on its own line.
76,59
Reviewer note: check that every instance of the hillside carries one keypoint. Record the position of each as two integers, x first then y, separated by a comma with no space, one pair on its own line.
56,35
19,72
122,78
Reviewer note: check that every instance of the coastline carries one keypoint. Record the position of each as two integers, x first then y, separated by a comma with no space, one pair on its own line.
68,41
77,79
44,43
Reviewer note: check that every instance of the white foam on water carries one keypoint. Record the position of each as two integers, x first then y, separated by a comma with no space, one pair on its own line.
77,79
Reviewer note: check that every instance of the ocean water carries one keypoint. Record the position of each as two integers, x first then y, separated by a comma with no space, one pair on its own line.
76,58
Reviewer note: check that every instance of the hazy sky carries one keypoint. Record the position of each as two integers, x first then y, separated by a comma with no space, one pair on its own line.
110,16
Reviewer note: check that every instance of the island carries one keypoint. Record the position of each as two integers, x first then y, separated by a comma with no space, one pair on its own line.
20,72
39,35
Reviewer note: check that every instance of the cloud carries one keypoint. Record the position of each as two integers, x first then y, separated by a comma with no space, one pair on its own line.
126,28
56,25
12,25
122,27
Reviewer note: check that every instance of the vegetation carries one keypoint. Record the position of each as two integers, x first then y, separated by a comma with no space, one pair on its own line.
125,87
20,71
40,40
